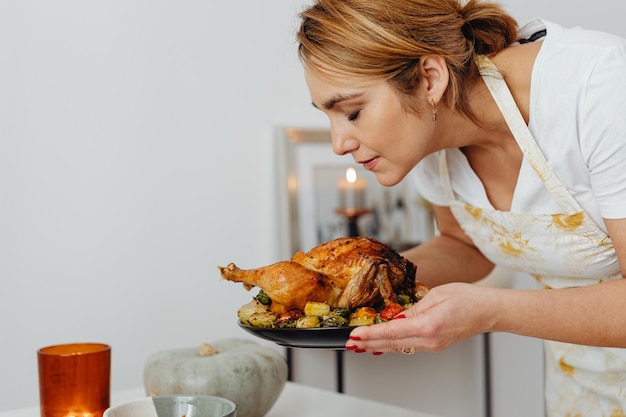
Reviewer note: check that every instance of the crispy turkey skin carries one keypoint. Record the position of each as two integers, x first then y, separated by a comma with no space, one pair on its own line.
345,272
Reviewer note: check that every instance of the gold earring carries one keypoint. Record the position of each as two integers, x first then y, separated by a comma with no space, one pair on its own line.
434,107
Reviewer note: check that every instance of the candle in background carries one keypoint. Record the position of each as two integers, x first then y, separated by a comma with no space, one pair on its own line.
74,379
351,190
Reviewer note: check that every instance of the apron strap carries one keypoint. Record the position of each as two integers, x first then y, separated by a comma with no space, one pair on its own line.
503,98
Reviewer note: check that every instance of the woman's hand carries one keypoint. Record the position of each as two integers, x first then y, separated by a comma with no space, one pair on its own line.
448,314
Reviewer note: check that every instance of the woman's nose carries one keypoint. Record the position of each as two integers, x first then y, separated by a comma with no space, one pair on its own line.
342,142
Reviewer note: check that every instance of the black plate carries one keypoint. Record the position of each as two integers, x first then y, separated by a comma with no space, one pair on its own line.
317,338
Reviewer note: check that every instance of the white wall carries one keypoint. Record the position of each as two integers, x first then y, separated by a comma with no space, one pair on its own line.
136,154
599,14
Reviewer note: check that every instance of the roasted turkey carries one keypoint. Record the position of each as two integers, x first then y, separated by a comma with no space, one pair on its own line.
345,272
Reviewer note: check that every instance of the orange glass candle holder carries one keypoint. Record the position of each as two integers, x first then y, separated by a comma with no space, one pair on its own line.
74,379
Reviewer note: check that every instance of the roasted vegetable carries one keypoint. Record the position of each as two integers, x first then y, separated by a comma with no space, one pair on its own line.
263,298
363,316
391,311
341,312
404,299
247,310
334,321
316,309
307,322
265,319
315,315
293,314
287,324
288,318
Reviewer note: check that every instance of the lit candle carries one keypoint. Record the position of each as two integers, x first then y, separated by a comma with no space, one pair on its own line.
351,190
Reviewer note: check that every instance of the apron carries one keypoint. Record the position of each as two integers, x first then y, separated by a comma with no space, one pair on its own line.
560,250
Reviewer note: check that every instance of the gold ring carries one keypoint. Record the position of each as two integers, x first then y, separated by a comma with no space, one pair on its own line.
408,351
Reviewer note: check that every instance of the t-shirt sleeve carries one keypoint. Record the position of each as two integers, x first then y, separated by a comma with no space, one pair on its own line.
603,131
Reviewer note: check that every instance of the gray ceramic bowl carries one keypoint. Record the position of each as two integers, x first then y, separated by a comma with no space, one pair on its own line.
175,406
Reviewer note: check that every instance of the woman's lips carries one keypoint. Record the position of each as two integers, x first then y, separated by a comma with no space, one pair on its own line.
370,164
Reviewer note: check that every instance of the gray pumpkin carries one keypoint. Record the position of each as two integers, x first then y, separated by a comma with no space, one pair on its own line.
245,372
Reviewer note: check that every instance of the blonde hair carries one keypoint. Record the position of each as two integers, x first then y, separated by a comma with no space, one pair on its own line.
386,38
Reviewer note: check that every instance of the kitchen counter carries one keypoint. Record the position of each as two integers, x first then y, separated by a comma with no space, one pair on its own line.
295,400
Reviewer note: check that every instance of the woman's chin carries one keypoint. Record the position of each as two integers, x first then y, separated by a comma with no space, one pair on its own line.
388,179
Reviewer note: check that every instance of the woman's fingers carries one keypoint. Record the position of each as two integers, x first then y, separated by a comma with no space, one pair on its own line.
447,315
391,336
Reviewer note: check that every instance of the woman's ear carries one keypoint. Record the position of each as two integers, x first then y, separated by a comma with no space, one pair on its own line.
435,76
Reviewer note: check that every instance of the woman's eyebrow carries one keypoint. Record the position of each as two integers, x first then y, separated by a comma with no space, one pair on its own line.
338,98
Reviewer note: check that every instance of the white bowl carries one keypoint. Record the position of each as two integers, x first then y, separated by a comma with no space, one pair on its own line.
175,406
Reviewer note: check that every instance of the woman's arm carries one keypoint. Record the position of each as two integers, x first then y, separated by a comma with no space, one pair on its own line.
449,257
593,315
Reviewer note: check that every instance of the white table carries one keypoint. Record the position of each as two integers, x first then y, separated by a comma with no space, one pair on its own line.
295,400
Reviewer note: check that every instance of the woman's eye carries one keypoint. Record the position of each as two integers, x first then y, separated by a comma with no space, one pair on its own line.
353,116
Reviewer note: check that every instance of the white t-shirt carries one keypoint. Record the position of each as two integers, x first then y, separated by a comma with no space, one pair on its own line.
577,118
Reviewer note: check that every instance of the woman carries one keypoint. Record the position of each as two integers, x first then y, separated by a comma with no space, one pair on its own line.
518,138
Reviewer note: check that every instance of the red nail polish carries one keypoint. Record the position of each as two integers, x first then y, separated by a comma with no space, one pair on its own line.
360,351
377,353
351,347
355,338
400,316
